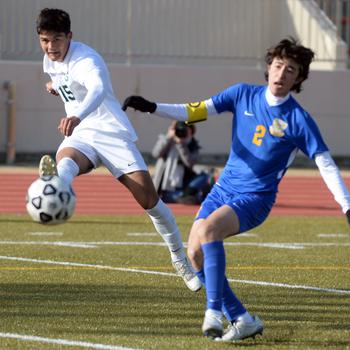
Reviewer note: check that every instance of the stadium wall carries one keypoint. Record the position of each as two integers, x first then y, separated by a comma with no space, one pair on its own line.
225,32
38,113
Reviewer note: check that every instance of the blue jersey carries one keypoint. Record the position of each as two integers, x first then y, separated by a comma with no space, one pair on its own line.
265,139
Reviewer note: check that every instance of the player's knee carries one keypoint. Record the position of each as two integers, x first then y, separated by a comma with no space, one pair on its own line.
147,201
195,256
206,232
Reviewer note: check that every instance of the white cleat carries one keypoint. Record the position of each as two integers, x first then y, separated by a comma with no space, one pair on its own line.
184,269
212,325
47,166
243,330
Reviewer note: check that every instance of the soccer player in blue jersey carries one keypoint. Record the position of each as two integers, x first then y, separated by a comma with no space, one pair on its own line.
268,128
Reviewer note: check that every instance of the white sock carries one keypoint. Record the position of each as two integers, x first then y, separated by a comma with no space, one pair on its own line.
67,169
245,318
164,223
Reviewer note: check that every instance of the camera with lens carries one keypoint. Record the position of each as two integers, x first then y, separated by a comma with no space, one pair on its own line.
181,130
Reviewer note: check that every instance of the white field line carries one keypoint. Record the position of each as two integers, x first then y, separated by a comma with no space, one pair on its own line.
333,235
53,243
274,245
142,234
81,344
248,235
291,286
43,233
106,267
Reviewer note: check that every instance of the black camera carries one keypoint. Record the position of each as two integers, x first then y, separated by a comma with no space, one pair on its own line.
181,130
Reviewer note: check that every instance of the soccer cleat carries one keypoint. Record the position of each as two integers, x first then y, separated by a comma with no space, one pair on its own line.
184,269
212,325
47,166
243,330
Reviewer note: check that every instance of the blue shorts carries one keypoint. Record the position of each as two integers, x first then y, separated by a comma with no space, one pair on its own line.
251,208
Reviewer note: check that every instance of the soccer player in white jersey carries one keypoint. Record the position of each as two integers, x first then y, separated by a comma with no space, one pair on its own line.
269,127
97,131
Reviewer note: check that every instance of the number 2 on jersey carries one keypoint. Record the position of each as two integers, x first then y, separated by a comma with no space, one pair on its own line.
259,134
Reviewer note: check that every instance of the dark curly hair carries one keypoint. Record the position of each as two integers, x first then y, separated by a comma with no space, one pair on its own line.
290,48
53,20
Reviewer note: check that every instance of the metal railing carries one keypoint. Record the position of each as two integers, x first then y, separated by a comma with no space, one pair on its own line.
225,32
338,11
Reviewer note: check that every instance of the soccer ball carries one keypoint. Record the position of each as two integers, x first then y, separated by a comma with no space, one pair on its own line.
50,200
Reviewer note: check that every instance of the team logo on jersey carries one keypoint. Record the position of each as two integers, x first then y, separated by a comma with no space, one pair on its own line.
277,128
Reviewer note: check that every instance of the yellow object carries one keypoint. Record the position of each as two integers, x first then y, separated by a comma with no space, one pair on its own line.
197,112
277,128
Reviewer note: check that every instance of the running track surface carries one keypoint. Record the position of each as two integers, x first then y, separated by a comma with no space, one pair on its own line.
102,194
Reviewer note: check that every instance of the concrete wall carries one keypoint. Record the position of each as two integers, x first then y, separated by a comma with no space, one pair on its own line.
225,32
325,96
318,32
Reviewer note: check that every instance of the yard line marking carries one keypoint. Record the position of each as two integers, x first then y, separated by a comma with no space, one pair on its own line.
274,245
150,272
38,233
54,243
331,235
233,268
142,234
99,267
248,235
291,286
59,341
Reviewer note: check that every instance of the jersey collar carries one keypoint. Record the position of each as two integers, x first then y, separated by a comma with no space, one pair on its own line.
274,100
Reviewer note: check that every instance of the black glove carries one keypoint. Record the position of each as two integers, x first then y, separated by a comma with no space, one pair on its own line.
348,216
139,104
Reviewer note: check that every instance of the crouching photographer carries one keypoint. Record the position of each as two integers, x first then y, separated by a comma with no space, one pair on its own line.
174,178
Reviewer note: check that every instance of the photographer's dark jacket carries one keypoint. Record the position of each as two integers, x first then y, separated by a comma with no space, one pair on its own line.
173,169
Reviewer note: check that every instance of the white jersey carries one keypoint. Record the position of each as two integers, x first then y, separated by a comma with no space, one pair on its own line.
83,82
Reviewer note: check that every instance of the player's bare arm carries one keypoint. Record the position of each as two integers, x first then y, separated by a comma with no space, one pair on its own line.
67,125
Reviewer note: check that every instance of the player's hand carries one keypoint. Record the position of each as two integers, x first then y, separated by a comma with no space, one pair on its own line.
139,104
50,89
68,124
348,216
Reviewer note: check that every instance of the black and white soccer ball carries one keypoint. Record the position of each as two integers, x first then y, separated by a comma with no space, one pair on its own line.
50,200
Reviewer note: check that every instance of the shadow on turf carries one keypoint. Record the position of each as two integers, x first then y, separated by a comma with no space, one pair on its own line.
139,310
98,308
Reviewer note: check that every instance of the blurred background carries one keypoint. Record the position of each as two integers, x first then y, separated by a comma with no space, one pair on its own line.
174,51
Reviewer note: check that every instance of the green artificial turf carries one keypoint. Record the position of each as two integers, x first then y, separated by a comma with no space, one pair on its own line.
86,281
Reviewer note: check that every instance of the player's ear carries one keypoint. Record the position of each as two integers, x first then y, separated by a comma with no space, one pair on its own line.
70,35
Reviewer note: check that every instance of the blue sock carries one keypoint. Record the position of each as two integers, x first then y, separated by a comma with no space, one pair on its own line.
231,305
214,271
201,276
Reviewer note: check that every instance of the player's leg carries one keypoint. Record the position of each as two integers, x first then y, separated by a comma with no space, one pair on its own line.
214,230
140,184
209,234
232,307
73,158
240,213
71,163
123,159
